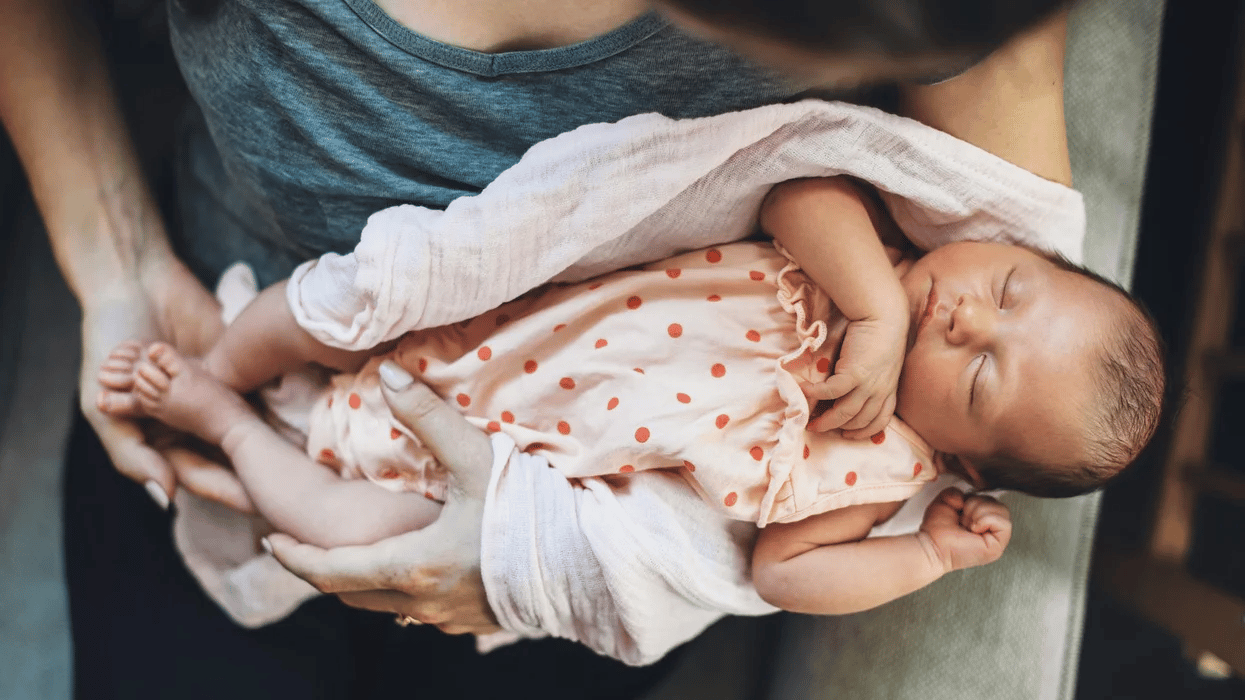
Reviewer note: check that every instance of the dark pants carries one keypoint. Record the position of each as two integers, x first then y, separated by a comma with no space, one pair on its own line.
143,628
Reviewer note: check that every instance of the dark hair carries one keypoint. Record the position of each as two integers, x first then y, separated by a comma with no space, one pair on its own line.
895,28
1129,402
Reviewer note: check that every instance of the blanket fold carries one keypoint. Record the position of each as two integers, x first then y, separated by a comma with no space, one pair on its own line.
630,567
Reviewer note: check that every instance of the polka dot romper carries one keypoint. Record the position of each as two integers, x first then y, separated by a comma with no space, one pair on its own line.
691,363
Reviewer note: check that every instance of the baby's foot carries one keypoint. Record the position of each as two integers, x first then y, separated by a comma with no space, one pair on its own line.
116,380
181,394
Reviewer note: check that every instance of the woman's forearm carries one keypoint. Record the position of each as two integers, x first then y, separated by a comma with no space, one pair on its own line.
58,106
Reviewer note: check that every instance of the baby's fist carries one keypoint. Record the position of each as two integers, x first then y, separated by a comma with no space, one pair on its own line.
966,532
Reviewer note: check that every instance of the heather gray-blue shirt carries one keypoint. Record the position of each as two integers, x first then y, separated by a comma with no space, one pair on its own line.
313,114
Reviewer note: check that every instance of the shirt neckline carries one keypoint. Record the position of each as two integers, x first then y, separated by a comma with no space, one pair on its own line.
508,62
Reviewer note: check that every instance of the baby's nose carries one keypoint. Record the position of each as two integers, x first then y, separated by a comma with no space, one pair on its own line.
971,321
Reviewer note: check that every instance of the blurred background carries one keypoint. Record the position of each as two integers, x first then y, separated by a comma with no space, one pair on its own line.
1153,626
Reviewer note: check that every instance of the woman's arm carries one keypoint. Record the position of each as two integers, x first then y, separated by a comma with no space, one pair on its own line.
1010,104
58,106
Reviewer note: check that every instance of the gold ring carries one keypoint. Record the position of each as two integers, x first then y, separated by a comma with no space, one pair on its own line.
404,620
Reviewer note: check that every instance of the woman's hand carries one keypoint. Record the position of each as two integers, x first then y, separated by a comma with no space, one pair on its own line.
431,575
169,304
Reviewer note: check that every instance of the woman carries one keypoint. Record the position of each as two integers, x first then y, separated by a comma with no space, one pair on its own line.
312,114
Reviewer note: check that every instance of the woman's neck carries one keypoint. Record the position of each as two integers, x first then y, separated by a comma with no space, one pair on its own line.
494,26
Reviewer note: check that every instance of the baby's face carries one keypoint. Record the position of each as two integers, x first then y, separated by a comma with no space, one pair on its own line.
1001,351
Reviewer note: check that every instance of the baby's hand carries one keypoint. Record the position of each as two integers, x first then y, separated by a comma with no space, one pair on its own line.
966,532
864,380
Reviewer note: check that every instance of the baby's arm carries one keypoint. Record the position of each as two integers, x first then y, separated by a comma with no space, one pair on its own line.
832,228
265,341
824,564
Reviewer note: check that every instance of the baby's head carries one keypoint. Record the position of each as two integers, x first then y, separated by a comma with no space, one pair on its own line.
1025,371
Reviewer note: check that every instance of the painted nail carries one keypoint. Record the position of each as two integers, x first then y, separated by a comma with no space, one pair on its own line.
394,376
157,494
263,542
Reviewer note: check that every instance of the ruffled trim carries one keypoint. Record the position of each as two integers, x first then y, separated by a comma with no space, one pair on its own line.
797,295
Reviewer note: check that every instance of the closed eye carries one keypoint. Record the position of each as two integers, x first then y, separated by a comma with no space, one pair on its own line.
1006,284
972,388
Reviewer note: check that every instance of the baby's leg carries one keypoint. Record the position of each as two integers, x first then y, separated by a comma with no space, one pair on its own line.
298,495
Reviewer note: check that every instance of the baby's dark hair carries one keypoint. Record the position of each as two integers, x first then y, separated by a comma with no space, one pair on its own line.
1130,378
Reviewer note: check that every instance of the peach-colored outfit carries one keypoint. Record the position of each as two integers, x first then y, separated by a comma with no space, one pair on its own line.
692,363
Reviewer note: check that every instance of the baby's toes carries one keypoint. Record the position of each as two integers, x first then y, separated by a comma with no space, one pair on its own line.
116,403
129,351
116,380
154,375
167,358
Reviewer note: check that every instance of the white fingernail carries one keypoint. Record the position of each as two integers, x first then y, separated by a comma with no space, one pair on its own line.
394,376
157,494
263,542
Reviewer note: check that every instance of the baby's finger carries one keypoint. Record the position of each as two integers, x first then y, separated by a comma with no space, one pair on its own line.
877,424
835,387
842,411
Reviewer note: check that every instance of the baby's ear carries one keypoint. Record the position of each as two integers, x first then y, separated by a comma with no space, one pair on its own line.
961,467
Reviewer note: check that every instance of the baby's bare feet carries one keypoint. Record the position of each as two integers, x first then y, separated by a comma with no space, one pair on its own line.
178,392
116,380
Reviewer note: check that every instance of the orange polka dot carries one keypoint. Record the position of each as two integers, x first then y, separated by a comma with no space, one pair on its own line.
564,427
722,420
753,336
423,365
634,302
637,370
850,479
507,417
626,469
330,403
641,434
823,365
394,433
601,342
327,455
718,370
612,404
806,452
756,275
713,297
757,453
675,330
389,473
502,318
879,437
463,400
429,496
916,469
559,327
683,398
730,499
596,285
690,467
673,273
567,383
530,366
484,353
494,426
354,401
713,255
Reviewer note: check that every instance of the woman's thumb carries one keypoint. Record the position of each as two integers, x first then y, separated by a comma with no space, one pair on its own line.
458,445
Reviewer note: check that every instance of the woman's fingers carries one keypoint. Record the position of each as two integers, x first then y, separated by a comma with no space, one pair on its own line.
123,441
207,479
337,570
462,448
446,618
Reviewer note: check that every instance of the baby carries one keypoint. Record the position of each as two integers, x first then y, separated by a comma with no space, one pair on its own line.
1006,366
